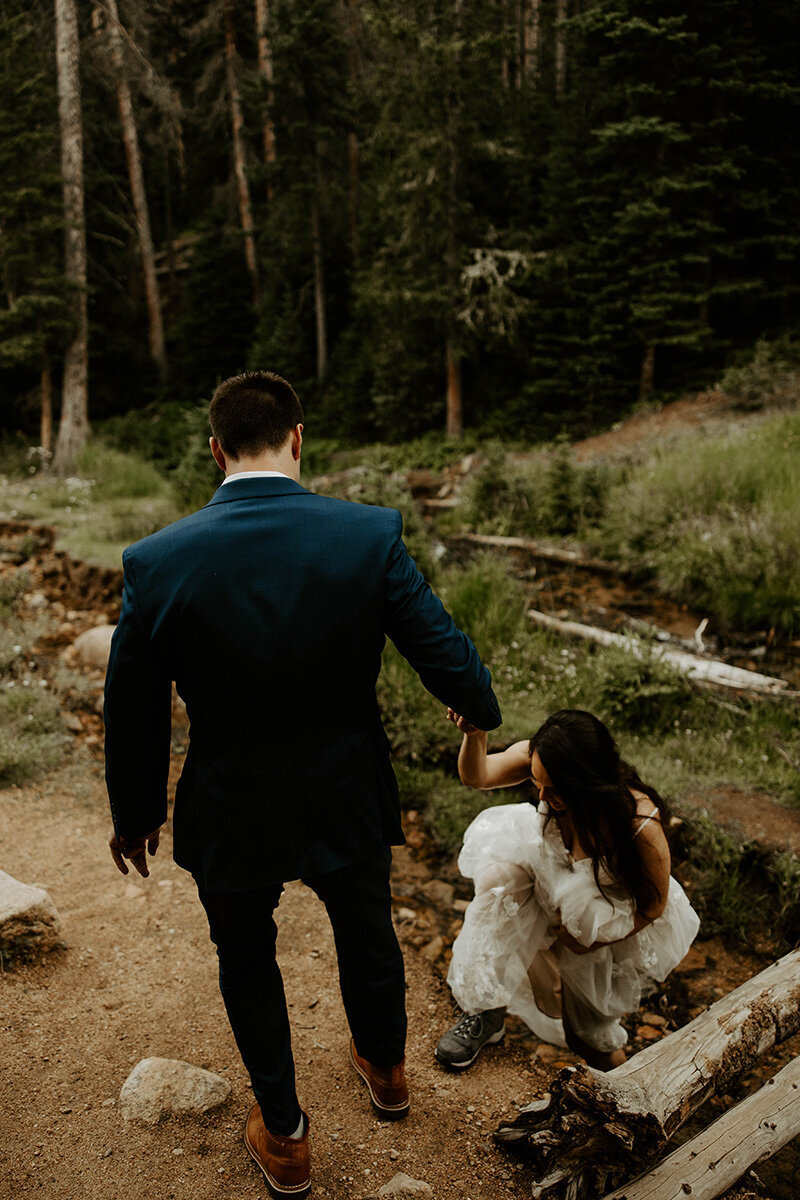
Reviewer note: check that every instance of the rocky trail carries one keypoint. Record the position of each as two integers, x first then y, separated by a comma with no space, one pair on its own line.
136,978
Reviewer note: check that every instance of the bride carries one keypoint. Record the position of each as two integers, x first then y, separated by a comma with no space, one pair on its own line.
575,915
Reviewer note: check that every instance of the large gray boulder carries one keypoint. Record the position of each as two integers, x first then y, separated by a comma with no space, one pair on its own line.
161,1087
29,921
93,646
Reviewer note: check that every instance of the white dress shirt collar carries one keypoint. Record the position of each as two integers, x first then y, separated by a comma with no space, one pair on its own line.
254,475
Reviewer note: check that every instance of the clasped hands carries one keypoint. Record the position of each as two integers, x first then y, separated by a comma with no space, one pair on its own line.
135,850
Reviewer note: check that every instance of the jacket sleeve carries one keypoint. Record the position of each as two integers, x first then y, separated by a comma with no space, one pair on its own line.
138,716
424,632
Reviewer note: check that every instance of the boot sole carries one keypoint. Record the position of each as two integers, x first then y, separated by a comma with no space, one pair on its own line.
462,1066
298,1191
390,1112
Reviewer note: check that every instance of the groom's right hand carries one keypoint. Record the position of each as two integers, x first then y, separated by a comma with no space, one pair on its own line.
134,849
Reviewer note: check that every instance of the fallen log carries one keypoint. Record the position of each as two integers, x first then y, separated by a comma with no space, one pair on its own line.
748,1133
704,670
549,553
596,1128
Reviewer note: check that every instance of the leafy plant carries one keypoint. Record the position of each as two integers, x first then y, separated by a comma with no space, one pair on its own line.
637,690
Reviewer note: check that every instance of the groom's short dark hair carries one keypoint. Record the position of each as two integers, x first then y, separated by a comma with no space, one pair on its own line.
254,412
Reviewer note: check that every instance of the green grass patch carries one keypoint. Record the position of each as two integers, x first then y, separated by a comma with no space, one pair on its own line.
714,522
740,890
32,734
115,499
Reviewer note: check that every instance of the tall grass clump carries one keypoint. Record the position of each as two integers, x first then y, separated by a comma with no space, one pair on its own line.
768,378
32,734
116,498
728,884
715,523
550,495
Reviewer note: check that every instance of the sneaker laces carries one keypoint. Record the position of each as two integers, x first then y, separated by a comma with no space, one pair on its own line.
468,1027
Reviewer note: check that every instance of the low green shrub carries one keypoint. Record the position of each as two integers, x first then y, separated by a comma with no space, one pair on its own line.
499,498
728,884
636,689
714,522
769,377
487,602
12,587
32,734
115,474
551,495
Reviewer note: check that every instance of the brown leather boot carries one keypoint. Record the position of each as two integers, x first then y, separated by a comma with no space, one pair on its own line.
386,1085
284,1160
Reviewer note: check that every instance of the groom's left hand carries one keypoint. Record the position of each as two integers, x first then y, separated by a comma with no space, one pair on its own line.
134,849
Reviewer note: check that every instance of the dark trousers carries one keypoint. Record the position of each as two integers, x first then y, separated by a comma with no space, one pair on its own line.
371,977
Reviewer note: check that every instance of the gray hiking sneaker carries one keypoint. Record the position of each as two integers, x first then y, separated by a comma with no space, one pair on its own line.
462,1044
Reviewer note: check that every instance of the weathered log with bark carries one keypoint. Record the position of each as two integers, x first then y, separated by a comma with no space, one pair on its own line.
748,1133
540,550
593,1129
705,670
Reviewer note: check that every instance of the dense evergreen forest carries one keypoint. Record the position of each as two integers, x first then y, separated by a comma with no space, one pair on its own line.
504,214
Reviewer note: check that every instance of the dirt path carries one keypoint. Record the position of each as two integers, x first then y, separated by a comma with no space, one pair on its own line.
138,978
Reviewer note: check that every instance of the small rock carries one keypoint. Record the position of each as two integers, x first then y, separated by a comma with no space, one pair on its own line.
108,1152
132,892
93,646
545,1051
394,1155
460,906
433,949
438,892
647,1033
406,914
157,1087
403,1185
37,600
29,921
654,1019
72,722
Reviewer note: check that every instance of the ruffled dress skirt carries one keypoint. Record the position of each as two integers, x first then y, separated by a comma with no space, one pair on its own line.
507,954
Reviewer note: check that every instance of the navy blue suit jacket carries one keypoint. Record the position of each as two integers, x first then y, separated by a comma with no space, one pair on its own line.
268,608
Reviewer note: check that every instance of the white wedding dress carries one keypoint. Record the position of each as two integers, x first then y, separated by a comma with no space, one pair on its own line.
507,954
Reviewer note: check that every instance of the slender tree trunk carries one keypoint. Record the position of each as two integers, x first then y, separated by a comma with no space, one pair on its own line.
133,158
561,48
319,283
353,165
453,409
46,423
647,377
531,36
455,417
237,125
266,72
73,427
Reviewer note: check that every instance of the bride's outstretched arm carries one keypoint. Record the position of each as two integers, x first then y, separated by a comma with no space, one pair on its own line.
479,769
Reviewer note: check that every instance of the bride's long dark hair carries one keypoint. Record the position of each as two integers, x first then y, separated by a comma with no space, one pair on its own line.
581,758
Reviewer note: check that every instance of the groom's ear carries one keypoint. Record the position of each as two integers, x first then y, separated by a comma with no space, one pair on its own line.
297,442
216,450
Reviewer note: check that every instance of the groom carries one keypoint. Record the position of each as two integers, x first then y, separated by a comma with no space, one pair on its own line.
268,608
